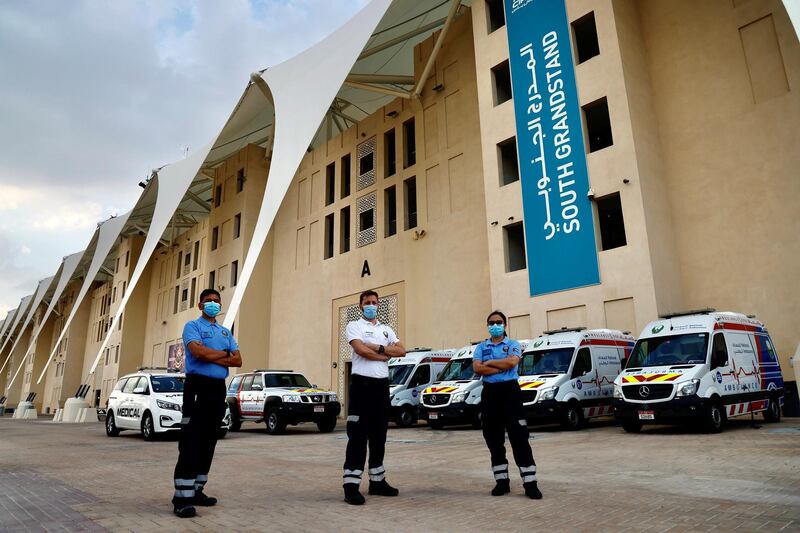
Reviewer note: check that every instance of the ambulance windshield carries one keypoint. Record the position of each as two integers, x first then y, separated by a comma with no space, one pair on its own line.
689,349
554,361
399,373
286,380
457,370
167,383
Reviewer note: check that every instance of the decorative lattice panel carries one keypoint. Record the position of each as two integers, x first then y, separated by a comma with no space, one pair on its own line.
367,235
387,314
366,150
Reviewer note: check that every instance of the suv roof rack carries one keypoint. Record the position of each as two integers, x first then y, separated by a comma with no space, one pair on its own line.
565,330
704,311
270,370
161,368
412,350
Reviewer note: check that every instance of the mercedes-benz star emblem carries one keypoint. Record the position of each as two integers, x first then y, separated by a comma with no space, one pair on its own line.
644,391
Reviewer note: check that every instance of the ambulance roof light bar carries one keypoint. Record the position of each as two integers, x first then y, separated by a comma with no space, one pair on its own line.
271,370
412,350
157,368
704,311
565,330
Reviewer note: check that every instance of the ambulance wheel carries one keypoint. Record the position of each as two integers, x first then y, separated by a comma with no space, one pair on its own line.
406,418
236,422
111,426
148,430
276,424
572,418
773,412
632,426
714,419
326,425
477,420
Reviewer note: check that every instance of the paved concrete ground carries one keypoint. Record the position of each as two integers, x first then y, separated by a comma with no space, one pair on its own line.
73,478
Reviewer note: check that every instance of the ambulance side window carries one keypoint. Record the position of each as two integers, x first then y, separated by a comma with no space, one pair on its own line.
422,376
248,383
583,363
257,383
719,352
771,355
120,384
234,386
130,385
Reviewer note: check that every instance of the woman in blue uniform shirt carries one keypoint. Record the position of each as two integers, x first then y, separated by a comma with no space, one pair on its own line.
496,360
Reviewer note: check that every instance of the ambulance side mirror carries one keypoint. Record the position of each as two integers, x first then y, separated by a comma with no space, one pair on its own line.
140,390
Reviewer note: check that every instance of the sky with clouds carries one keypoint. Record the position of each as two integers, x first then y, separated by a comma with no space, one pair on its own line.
96,94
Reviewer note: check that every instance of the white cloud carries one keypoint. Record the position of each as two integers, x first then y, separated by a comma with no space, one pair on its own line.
95,94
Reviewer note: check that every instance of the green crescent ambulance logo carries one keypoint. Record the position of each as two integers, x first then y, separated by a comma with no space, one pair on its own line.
657,329
538,343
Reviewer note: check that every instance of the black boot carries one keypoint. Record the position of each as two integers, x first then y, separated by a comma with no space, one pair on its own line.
352,494
202,500
532,491
184,511
381,488
503,487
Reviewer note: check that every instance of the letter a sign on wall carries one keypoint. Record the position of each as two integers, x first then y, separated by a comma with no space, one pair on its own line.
559,227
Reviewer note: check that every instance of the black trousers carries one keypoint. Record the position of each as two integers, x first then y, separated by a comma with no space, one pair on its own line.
502,412
203,410
367,423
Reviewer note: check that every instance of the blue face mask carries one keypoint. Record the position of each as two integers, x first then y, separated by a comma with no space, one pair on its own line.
497,330
212,309
370,312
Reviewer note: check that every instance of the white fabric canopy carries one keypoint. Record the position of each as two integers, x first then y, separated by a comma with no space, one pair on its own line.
302,90
107,235
793,8
21,310
38,296
65,273
7,323
173,181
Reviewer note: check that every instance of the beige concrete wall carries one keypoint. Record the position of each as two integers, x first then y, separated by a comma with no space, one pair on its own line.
99,323
437,269
164,316
626,273
39,350
724,83
64,372
14,390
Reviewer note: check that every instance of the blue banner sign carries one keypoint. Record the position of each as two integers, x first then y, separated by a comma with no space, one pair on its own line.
559,227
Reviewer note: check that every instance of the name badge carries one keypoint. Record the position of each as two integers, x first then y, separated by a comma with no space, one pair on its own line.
206,334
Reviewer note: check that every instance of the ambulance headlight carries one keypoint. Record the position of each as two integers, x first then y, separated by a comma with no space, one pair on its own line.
617,391
291,398
688,388
334,398
549,394
168,405
460,397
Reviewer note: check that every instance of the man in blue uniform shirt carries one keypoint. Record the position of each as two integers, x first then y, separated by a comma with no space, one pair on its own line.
210,350
496,360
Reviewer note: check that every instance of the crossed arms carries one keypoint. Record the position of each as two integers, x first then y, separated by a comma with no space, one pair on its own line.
369,351
220,357
495,366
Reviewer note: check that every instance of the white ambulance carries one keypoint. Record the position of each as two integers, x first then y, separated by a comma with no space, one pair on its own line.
699,365
567,375
409,376
455,397
150,401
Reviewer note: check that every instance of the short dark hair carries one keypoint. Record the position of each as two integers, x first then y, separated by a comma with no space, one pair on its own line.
209,292
365,294
498,313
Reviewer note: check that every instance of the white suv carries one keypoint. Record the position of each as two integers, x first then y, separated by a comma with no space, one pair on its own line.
150,401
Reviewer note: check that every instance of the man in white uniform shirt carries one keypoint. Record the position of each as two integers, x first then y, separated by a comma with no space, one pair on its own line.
372,345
